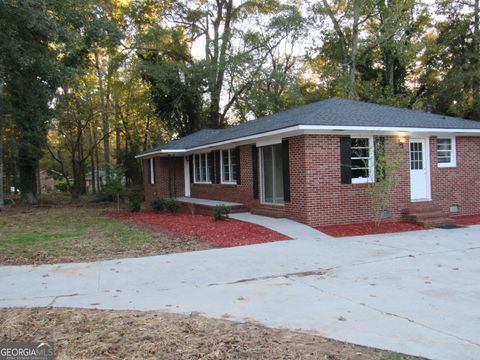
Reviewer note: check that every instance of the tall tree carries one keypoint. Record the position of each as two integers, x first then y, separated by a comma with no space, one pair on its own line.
31,74
450,71
237,39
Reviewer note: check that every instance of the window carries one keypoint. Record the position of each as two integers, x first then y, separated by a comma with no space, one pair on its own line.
416,155
151,171
272,174
228,166
446,156
202,168
362,160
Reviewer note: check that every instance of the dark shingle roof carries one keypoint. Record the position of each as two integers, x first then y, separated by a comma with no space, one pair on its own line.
332,112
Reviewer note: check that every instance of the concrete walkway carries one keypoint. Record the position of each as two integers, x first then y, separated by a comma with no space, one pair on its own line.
292,229
411,292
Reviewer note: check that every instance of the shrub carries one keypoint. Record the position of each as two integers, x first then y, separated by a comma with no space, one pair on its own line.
115,183
172,205
220,212
134,205
63,185
157,204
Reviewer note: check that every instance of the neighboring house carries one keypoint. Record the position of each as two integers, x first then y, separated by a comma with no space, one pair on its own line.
47,183
314,163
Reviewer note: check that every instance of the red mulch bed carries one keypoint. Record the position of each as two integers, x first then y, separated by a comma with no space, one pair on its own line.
369,228
468,220
225,233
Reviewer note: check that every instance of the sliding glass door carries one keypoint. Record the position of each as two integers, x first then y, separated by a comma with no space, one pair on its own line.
272,174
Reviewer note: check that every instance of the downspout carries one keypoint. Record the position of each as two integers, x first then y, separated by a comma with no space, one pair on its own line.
175,179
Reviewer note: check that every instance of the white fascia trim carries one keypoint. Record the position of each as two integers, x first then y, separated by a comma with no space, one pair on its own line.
313,128
388,129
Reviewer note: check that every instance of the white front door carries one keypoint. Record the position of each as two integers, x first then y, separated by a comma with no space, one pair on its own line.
419,170
186,175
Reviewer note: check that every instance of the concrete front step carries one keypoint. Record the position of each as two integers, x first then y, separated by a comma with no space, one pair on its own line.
205,206
271,211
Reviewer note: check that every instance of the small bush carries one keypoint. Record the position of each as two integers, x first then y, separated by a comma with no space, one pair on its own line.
220,212
172,206
63,185
157,204
134,205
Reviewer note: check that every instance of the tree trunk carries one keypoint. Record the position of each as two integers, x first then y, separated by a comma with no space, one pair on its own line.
28,179
219,60
104,99
353,56
2,201
476,61
76,188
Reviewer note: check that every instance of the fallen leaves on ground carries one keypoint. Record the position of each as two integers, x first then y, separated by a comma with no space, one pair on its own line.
39,235
369,228
102,334
224,233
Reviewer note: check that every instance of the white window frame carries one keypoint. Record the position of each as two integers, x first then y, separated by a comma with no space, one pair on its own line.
371,162
207,172
151,165
230,167
453,152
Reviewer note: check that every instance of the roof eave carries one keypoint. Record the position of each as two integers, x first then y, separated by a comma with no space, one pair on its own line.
319,129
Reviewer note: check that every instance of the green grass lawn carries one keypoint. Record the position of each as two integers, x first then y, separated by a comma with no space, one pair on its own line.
65,234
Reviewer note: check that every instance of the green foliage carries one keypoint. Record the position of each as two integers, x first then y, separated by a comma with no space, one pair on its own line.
162,204
134,205
157,204
388,169
63,185
220,212
172,206
134,198
115,185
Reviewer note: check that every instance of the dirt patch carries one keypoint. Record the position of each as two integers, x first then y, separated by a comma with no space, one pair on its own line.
369,228
225,233
95,334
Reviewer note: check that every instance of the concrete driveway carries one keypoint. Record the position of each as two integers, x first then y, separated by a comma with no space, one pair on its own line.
415,292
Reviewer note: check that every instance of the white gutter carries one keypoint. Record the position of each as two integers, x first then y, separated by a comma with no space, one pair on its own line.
300,129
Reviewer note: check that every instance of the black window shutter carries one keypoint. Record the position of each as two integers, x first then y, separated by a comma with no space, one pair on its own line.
255,171
154,171
149,171
216,171
379,150
210,165
346,159
190,165
286,170
236,155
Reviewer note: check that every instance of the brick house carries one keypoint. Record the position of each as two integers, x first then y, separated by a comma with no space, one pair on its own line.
314,164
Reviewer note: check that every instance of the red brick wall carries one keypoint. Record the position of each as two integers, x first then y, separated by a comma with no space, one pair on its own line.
327,200
317,195
241,193
458,185
166,185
